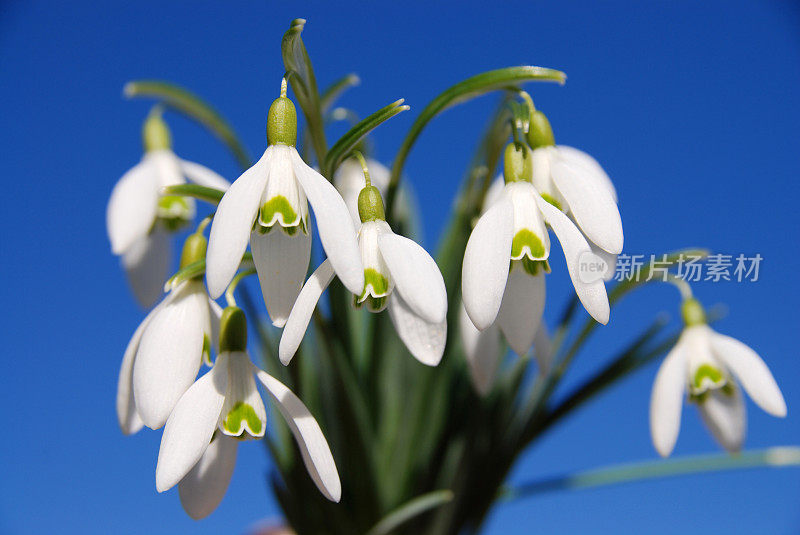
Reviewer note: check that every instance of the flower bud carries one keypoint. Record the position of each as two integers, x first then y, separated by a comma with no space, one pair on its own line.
517,163
194,249
540,134
233,330
155,133
370,205
282,120
692,312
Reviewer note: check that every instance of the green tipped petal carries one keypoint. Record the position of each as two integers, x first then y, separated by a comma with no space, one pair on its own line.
552,200
242,412
526,243
174,212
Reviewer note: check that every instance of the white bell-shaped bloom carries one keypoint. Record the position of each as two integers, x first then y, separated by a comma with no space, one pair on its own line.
267,206
139,217
513,229
164,355
201,437
398,274
710,368
483,351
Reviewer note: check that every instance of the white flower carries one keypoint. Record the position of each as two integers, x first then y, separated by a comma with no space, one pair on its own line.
400,275
201,437
139,217
513,229
482,351
710,368
164,355
276,192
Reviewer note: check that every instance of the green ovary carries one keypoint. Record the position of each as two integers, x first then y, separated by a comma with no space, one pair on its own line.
242,412
279,209
173,212
525,238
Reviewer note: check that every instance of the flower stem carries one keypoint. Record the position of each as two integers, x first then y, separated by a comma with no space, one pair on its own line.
231,300
360,157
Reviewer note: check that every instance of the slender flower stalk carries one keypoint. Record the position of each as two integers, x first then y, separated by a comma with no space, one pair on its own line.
268,207
399,275
139,218
710,369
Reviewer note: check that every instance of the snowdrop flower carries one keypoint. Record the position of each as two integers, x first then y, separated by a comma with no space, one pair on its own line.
399,275
201,437
573,181
483,351
139,218
268,206
711,368
167,349
512,231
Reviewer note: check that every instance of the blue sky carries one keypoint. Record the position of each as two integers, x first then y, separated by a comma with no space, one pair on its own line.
692,108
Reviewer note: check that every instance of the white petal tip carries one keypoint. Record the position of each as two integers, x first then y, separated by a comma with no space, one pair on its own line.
279,322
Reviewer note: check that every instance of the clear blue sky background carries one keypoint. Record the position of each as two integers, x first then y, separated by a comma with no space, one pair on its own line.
692,107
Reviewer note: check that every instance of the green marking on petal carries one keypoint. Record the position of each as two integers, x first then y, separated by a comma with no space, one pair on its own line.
527,243
378,283
552,200
242,412
706,371
206,349
174,212
531,267
278,209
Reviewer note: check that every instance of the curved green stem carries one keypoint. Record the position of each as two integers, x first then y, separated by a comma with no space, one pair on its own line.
229,297
462,92
194,107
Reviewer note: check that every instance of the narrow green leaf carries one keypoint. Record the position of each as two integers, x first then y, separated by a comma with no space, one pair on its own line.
211,195
195,269
411,510
776,457
462,92
192,106
304,84
336,89
350,139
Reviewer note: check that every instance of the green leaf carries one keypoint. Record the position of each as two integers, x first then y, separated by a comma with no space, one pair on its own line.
195,269
192,106
211,195
334,91
776,457
350,139
411,510
304,84
459,93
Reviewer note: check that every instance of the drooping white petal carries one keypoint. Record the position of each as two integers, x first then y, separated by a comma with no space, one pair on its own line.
203,488
725,416
129,420
167,167
482,350
146,263
334,225
170,353
486,261
543,349
349,181
203,176
542,158
416,276
296,325
191,425
281,262
216,318
132,207
751,371
666,401
609,259
591,204
592,294
494,193
313,446
230,230
424,339
595,170
243,410
521,310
